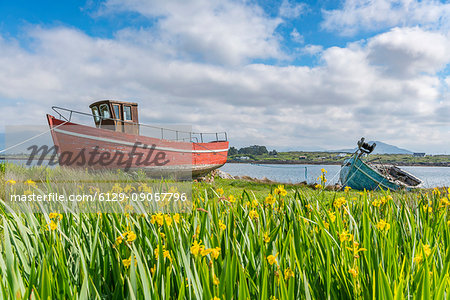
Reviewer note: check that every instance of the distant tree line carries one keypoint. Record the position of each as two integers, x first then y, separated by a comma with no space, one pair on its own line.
251,150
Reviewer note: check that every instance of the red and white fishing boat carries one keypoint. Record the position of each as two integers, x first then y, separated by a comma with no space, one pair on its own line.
116,142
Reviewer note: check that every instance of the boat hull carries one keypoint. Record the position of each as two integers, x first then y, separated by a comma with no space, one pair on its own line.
83,146
359,176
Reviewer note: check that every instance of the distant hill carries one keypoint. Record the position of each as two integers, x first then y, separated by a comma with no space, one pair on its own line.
381,148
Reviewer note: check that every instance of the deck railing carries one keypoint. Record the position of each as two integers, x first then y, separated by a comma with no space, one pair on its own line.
180,135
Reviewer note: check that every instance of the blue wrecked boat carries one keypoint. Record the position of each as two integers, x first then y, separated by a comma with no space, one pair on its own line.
359,174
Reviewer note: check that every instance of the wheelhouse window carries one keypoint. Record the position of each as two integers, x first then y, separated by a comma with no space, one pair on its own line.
116,111
127,113
96,114
104,111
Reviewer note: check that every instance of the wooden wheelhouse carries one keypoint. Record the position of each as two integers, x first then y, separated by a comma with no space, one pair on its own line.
119,116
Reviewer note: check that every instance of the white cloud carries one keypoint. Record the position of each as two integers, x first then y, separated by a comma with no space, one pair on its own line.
363,15
216,31
297,37
408,51
312,49
291,10
348,95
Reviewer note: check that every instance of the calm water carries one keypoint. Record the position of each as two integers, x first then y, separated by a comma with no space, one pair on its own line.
431,176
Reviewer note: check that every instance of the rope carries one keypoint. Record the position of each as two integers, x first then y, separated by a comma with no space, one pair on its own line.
31,138
335,175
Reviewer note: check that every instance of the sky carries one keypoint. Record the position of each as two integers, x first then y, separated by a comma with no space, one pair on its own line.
287,74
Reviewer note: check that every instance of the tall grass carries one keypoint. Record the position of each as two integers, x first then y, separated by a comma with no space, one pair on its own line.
299,243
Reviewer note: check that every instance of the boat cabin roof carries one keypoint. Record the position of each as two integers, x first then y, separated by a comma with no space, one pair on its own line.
112,101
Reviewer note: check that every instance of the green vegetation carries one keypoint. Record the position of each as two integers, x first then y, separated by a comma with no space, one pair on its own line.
242,241
299,157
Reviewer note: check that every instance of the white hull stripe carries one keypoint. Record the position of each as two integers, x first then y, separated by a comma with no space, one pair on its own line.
97,138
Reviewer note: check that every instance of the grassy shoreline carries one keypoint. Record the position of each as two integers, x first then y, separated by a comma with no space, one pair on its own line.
241,240
327,158
334,163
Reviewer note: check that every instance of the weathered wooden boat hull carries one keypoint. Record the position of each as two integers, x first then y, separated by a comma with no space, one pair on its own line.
182,159
359,176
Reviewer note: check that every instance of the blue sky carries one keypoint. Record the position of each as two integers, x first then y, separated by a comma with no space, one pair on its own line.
287,74
19,15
